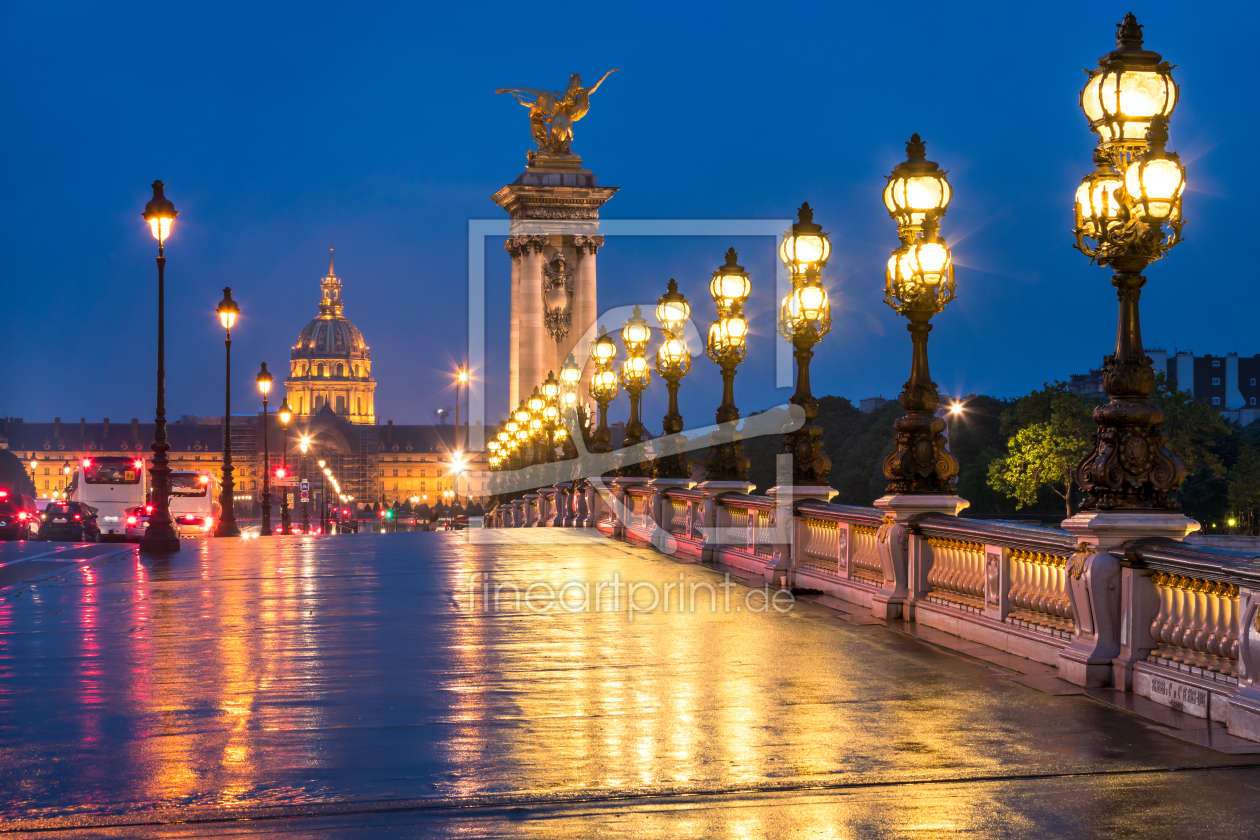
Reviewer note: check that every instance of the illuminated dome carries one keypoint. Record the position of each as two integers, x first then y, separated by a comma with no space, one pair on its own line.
331,364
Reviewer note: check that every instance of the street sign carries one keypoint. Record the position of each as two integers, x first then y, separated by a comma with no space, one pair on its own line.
284,481
306,490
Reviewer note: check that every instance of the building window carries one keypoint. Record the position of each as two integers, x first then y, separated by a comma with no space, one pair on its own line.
45,473
396,472
1216,363
408,473
1216,380
1216,400
341,404
45,484
1253,400
1253,380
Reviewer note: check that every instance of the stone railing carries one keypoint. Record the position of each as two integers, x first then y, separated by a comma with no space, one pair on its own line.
1164,619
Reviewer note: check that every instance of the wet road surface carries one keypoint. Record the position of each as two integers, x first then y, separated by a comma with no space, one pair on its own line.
367,686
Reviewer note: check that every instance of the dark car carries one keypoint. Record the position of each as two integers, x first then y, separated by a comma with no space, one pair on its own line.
72,521
19,517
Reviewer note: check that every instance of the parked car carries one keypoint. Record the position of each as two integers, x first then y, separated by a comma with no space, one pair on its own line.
73,521
137,519
19,516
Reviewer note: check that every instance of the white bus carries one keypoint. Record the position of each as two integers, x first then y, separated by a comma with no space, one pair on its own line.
111,484
194,502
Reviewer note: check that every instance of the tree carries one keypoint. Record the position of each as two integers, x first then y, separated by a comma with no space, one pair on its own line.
1050,434
1194,428
1041,455
1244,486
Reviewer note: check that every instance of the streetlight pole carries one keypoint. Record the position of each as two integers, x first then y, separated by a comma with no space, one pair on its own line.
635,378
226,527
603,389
323,501
264,385
305,444
804,318
673,360
160,213
286,414
730,287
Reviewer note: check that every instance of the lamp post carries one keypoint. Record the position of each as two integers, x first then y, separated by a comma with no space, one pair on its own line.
570,377
673,360
264,385
636,375
160,213
603,388
537,426
804,318
226,527
729,287
461,378
323,489
919,283
551,412
1128,215
285,414
304,444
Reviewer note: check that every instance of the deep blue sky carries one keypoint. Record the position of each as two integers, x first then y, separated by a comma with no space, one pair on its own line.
279,127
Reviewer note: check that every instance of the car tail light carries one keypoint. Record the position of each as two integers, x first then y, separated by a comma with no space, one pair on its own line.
77,517
22,516
148,509
131,520
138,464
3,493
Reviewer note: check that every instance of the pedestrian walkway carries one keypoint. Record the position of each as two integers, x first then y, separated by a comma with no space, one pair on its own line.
520,683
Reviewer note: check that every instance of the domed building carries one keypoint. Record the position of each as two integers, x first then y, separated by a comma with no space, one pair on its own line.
331,364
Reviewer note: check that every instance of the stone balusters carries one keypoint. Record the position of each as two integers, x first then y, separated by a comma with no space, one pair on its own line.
1038,590
956,573
1197,624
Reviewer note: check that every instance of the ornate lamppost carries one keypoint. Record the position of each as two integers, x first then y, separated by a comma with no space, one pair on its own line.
1128,215
226,527
636,375
919,283
264,385
537,405
323,496
304,444
603,388
673,360
804,318
285,414
160,213
730,287
523,432
570,377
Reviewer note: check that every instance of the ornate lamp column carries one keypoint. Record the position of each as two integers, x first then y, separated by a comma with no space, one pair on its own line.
804,318
226,526
673,360
1128,215
575,500
603,388
921,472
285,414
730,287
264,385
160,213
635,378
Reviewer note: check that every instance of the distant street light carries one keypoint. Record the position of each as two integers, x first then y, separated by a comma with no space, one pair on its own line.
285,414
603,389
673,360
264,385
160,213
226,527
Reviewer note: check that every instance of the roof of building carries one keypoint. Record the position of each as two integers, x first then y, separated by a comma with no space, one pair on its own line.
330,335
92,437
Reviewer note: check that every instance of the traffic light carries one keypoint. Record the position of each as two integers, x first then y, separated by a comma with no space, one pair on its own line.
389,514
279,472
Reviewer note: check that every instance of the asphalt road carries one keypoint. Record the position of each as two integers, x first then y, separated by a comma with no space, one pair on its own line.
367,686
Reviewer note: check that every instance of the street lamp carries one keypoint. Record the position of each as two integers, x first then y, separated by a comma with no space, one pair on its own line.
228,312
918,283
804,318
304,444
1128,215
285,414
323,501
264,385
603,388
673,360
160,213
636,375
730,287
461,378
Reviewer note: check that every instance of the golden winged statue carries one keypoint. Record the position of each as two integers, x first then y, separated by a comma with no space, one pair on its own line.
552,113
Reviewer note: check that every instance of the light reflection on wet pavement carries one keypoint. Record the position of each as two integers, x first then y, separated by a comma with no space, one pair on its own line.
362,674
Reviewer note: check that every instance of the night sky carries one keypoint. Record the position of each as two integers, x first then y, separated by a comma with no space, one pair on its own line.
377,126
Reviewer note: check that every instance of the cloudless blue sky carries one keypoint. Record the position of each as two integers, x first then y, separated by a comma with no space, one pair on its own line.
277,127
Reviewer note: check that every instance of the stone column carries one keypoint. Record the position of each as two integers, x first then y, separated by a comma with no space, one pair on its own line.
564,500
1094,584
790,536
713,517
895,599
546,498
513,247
585,301
532,333
662,537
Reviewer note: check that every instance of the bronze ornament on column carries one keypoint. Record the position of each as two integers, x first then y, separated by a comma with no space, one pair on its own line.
919,283
1128,215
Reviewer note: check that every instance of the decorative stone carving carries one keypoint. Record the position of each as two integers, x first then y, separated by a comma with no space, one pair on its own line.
588,244
993,578
557,294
